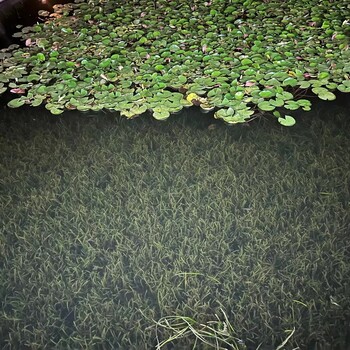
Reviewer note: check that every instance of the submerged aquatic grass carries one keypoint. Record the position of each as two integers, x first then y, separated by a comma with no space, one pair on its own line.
109,225
217,334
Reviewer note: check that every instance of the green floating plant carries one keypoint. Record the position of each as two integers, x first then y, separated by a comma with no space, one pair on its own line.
323,93
221,54
285,120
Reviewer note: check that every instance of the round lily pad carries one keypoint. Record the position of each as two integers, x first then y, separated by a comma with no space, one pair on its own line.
287,120
266,106
15,103
323,93
160,113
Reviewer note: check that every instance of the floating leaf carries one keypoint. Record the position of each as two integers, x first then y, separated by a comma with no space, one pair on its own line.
244,114
331,86
128,113
192,96
287,120
234,116
277,102
304,84
290,82
55,110
105,63
159,67
323,93
216,73
323,75
37,101
285,95
67,76
266,106
276,114
266,93
239,95
182,79
272,82
41,57
304,103
291,105
246,61
15,103
54,53
137,110
42,89
71,83
205,107
160,113
33,77
83,107
215,92
344,86
174,48
224,113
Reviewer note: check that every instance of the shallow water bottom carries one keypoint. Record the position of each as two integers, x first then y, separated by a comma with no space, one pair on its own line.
111,225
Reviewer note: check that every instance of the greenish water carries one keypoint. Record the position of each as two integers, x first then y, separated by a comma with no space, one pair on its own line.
108,225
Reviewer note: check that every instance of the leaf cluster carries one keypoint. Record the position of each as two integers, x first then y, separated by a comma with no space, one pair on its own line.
234,57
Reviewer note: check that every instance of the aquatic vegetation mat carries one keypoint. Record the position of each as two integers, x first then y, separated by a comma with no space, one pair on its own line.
238,58
112,228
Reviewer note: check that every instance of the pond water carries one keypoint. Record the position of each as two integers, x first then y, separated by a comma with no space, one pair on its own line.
109,224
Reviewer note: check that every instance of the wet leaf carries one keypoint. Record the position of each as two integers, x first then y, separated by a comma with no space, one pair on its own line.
291,105
266,106
160,113
344,86
15,103
37,101
33,77
40,57
323,93
290,82
277,102
287,120
266,93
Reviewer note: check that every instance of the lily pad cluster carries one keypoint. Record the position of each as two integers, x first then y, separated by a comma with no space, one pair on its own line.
235,57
